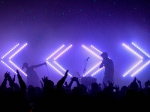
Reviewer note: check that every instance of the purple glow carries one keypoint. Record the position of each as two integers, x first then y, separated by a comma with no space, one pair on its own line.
133,68
91,51
62,68
17,67
97,71
9,67
10,51
55,52
141,68
18,51
62,52
140,49
54,68
132,51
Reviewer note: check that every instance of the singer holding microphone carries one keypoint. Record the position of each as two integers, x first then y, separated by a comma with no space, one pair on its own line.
32,77
109,68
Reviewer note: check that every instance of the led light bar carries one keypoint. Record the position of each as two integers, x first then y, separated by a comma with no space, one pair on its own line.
97,71
91,51
55,52
91,69
9,67
132,51
62,52
140,49
96,49
17,67
10,51
132,68
17,51
62,68
141,68
54,68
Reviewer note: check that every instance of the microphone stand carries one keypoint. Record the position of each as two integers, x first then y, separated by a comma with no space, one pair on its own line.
84,70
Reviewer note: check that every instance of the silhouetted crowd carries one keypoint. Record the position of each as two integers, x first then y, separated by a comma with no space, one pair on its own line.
62,97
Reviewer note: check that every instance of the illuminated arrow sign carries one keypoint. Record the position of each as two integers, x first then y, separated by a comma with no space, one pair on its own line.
54,60
97,64
13,55
3,58
145,64
138,64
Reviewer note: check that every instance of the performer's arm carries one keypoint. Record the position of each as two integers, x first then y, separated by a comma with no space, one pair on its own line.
35,66
101,65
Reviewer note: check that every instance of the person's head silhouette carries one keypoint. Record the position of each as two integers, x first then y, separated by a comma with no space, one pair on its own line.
104,55
25,65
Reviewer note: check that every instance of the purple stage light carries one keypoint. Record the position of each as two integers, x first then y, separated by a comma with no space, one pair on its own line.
62,52
17,67
62,68
133,68
18,51
91,52
96,49
97,71
10,51
132,51
140,49
54,68
141,68
95,54
55,52
95,66
9,67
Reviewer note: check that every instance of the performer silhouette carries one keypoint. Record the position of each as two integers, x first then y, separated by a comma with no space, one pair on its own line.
109,68
32,77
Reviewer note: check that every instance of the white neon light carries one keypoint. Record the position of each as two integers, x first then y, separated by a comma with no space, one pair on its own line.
54,68
62,52
96,49
10,51
132,68
9,67
147,63
140,49
18,51
132,51
62,68
92,69
17,67
91,51
97,71
55,52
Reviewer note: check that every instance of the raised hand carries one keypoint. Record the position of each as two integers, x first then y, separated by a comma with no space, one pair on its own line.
111,83
44,79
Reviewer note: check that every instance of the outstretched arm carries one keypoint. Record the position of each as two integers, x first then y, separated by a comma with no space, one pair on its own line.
35,66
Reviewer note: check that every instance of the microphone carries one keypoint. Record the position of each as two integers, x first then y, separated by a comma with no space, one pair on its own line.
87,58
